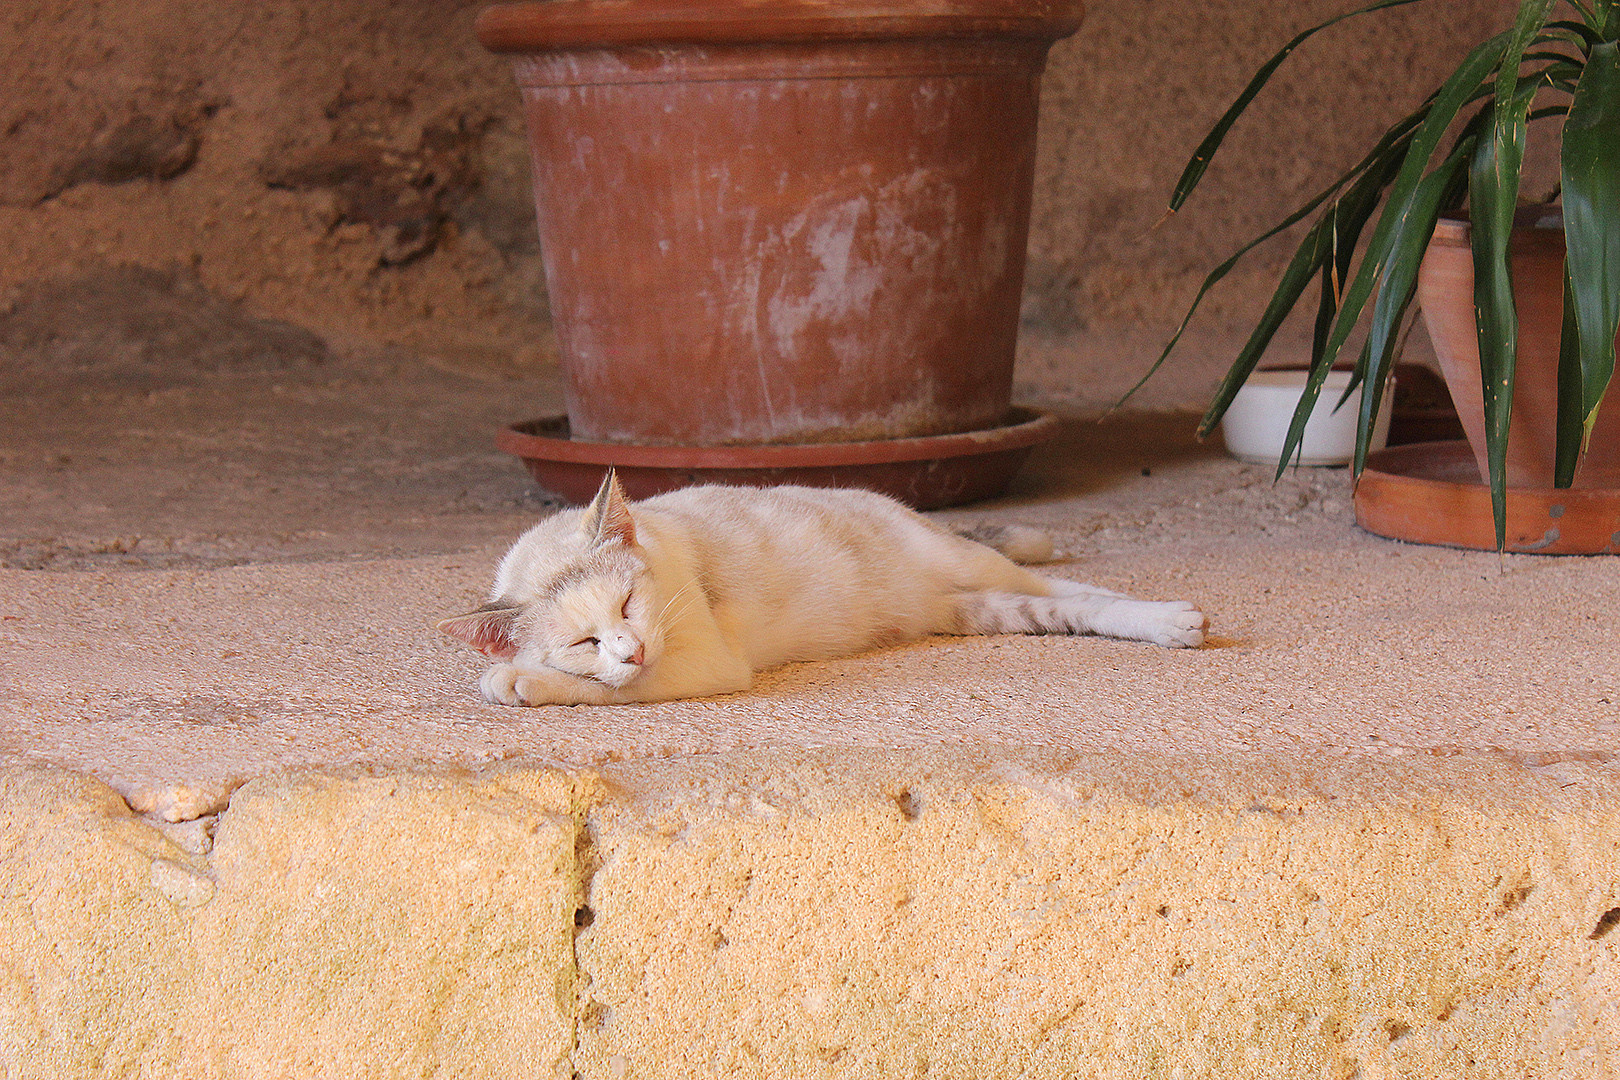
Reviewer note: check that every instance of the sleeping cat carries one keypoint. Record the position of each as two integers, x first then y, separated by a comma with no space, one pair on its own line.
688,594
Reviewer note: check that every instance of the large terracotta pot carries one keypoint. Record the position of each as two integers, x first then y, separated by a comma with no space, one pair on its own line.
782,222
1446,294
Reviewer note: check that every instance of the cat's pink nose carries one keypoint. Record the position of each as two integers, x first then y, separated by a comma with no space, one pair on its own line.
639,656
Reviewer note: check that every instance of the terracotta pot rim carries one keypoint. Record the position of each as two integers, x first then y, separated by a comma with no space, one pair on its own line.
548,25
1024,427
1457,228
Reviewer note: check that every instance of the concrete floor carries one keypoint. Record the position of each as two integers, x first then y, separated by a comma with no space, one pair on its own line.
214,569
222,552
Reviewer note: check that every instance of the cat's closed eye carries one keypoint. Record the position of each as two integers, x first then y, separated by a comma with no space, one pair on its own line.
592,642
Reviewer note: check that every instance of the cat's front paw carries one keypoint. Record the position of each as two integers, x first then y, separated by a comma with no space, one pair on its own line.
1179,625
499,685
508,684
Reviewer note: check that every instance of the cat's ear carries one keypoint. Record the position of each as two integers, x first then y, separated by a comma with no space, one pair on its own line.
491,630
607,520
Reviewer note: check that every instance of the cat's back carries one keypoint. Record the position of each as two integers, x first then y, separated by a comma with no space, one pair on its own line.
737,532
791,524
795,573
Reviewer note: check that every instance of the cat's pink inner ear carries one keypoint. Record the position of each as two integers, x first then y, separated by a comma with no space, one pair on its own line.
489,631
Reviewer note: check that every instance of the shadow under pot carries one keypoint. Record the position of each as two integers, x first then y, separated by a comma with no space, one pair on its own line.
783,223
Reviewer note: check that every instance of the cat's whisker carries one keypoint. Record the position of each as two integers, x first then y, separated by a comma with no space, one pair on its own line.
686,603
674,617
664,612
659,618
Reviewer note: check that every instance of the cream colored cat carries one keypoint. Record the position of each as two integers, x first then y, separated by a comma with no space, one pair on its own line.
688,594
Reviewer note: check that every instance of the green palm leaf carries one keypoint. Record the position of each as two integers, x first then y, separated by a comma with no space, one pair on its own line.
1440,190
1591,195
1393,141
1578,32
1212,142
1314,253
1493,194
1605,16
1405,253
1570,429
1326,249
1461,87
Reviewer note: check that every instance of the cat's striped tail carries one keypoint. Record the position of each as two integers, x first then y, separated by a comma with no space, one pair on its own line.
1082,609
1020,543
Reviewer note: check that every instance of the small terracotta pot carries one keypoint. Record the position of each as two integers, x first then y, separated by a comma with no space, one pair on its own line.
1446,294
782,222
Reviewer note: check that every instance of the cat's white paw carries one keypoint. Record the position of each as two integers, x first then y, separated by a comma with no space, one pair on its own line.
1175,624
508,684
499,685
1180,625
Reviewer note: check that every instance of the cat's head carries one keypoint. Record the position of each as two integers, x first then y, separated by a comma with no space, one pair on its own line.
581,600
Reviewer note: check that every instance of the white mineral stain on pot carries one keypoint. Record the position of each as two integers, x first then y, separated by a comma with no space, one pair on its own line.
840,284
584,152
994,255
855,247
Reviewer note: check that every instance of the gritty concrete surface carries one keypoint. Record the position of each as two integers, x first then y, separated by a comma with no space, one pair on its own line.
215,578
256,821
1325,642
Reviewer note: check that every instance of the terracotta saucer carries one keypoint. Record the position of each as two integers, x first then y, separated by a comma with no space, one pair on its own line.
927,472
1430,493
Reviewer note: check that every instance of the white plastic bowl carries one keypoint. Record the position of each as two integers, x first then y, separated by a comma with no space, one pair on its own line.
1256,424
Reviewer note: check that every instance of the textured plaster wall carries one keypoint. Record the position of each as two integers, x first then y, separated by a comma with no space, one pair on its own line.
356,167
1125,103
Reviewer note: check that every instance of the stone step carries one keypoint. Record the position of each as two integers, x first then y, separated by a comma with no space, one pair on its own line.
941,912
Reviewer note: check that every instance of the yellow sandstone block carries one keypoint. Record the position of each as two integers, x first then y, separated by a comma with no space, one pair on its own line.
850,913
842,918
404,925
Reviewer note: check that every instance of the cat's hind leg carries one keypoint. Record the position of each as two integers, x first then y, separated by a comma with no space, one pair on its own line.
995,595
1073,608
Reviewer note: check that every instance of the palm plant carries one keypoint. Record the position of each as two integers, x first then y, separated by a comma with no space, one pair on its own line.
1542,67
